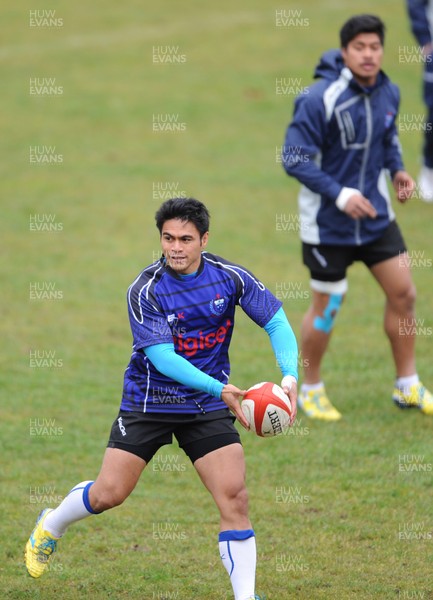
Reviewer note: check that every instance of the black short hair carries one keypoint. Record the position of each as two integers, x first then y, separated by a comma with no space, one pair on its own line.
361,24
185,209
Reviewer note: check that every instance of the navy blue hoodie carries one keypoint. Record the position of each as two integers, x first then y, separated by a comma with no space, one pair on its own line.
421,15
343,136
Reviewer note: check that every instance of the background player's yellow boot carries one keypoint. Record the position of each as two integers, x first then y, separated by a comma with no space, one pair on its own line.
415,396
316,404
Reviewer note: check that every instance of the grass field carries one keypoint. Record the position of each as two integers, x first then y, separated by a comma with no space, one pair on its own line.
340,510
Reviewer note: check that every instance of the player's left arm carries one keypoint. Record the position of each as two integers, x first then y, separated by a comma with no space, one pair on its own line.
285,348
267,312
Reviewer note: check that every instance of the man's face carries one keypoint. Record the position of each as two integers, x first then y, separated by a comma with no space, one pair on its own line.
363,55
182,246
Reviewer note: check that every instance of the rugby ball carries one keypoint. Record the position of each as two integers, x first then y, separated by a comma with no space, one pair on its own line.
267,409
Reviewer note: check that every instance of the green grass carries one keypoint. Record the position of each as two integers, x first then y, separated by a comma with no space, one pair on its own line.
336,535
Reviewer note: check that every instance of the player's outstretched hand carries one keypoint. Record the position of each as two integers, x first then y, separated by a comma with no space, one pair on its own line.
404,185
232,396
290,388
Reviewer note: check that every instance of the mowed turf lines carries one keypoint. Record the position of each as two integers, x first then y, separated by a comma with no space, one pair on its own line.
341,510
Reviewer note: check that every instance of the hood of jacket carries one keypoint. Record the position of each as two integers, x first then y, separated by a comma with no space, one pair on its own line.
331,65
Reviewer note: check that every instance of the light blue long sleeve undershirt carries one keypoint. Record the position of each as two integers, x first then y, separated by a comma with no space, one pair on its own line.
284,343
178,368
164,358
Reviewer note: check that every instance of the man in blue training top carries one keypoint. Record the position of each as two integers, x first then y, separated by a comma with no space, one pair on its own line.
181,310
421,21
341,145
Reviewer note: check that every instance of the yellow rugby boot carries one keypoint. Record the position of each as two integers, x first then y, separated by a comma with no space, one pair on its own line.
414,396
316,404
40,547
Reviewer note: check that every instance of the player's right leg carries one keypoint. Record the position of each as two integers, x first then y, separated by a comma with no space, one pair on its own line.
316,331
327,266
134,439
118,476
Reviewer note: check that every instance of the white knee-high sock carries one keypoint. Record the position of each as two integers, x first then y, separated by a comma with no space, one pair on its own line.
238,554
73,508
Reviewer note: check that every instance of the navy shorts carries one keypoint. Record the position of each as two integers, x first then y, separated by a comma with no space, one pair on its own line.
330,263
143,434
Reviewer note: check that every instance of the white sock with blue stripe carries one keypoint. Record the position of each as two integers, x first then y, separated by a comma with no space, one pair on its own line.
238,554
73,508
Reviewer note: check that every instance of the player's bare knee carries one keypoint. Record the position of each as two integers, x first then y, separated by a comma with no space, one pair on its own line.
411,296
404,301
107,497
238,500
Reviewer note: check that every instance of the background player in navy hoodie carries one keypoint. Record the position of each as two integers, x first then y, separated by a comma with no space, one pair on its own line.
342,145
181,309
421,20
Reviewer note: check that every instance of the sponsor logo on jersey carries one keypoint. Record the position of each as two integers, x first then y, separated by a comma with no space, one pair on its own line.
191,345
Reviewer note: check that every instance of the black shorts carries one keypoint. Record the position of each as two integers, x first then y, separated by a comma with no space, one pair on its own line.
330,263
143,434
